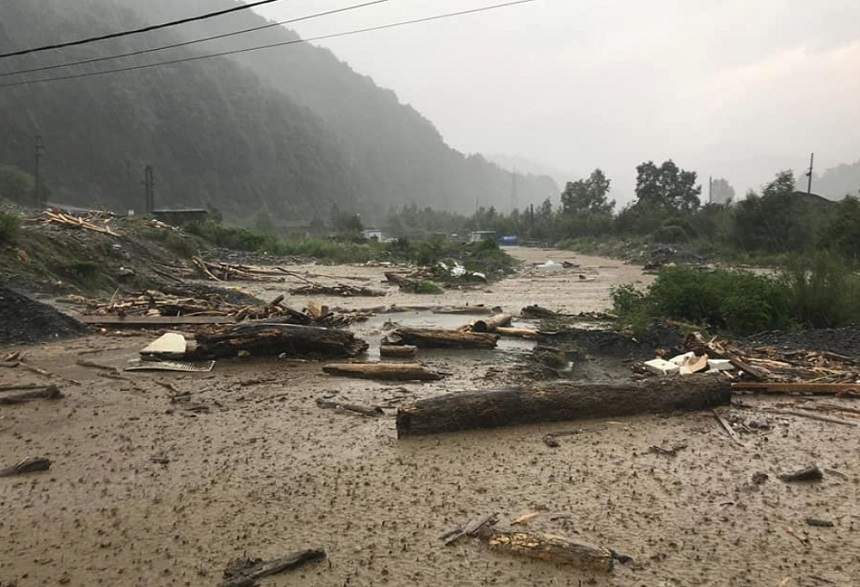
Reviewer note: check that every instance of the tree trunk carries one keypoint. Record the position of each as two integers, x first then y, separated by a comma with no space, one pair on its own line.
518,332
48,392
492,323
384,371
404,351
548,547
438,338
558,401
269,338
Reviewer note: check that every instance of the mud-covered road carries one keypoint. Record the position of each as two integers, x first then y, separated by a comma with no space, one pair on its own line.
145,490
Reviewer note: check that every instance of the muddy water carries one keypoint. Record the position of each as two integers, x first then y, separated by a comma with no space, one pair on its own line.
146,492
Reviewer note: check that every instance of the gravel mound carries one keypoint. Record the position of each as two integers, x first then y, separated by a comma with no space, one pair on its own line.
845,341
24,320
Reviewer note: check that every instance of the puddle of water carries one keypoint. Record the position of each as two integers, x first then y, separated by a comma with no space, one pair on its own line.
377,327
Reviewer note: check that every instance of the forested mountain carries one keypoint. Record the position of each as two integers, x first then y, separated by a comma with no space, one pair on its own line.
289,130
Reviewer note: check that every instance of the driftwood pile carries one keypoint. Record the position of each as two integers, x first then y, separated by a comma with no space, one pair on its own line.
770,370
340,290
88,222
158,303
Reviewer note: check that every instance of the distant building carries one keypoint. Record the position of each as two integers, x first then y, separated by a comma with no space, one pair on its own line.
478,236
372,234
181,216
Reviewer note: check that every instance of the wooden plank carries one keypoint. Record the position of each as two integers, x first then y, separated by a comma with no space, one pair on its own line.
112,320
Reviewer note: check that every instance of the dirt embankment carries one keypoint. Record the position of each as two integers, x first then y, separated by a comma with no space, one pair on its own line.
156,484
24,320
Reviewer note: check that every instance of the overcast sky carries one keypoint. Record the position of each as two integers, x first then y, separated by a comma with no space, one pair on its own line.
729,88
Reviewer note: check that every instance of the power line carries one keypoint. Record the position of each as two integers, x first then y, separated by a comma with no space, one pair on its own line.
145,29
186,43
269,46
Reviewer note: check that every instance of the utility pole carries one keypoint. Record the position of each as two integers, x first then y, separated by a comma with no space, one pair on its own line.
149,188
710,189
37,174
809,173
514,194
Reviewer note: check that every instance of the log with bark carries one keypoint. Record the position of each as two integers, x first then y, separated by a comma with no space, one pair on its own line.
558,401
517,332
371,411
438,338
47,392
537,545
395,351
384,371
272,338
548,547
492,323
246,572
837,389
28,465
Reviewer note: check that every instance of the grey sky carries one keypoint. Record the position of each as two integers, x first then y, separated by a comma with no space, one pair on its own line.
731,88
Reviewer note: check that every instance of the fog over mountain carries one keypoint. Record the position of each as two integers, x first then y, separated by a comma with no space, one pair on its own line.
732,89
289,132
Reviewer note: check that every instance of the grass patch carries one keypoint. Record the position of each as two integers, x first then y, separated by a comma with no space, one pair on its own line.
815,293
9,227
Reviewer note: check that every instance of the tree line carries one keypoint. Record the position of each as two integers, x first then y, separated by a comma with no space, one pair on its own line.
668,209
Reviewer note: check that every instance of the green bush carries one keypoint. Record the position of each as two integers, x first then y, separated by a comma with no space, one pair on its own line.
824,291
815,293
9,225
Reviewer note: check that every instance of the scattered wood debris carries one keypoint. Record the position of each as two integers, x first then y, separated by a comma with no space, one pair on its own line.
371,411
88,222
728,428
245,572
274,339
339,290
384,371
27,465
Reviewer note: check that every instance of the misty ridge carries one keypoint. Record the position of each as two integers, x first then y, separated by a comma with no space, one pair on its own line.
289,132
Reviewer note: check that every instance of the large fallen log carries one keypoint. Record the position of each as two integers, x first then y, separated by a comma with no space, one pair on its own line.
490,324
270,338
384,371
47,392
438,338
558,401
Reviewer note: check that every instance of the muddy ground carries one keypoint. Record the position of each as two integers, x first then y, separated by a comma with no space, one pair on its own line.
149,491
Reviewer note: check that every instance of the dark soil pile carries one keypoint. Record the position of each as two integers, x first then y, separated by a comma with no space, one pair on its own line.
845,341
24,320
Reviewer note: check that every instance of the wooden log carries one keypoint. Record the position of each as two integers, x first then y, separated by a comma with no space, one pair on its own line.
438,338
517,332
247,573
490,324
558,401
395,351
272,338
846,389
28,465
384,371
113,320
548,547
48,392
372,411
